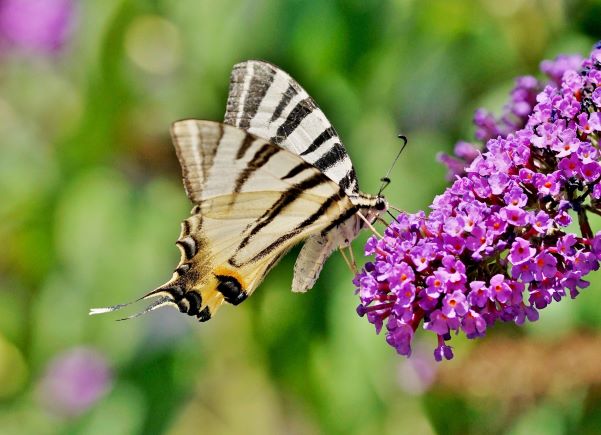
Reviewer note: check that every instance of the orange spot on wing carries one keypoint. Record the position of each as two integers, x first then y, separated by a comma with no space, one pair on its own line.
227,271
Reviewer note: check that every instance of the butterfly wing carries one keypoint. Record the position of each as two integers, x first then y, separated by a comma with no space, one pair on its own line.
310,261
253,201
267,102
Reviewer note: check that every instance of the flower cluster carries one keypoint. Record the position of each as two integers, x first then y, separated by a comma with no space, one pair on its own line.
496,244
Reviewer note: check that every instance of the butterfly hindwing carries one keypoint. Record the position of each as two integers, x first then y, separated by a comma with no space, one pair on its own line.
254,200
310,261
268,103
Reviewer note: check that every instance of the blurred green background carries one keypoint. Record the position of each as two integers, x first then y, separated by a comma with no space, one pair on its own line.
91,200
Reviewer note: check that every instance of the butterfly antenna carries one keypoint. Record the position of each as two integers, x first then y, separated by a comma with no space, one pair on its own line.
391,215
386,179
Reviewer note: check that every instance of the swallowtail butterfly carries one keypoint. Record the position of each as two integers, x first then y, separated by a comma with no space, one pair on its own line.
273,174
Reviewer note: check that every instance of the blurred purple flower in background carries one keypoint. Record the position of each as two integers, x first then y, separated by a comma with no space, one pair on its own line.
74,381
417,374
36,25
495,245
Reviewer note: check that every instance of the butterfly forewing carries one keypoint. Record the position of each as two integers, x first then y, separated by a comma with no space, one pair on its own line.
268,103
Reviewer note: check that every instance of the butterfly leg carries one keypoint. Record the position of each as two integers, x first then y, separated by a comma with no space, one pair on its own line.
353,262
349,262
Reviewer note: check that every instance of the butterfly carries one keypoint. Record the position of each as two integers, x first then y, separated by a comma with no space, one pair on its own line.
273,174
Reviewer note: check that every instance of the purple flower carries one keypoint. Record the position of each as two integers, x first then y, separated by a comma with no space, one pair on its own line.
573,281
567,144
547,184
479,294
497,245
422,255
565,246
596,96
499,289
473,324
514,215
417,374
443,352
541,223
521,251
74,381
516,197
454,165
436,284
454,225
498,183
544,266
589,123
399,336
590,171
455,304
556,68
570,166
439,322
523,272
38,25
453,268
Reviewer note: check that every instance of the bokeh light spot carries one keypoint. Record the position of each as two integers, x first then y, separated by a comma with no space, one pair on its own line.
153,44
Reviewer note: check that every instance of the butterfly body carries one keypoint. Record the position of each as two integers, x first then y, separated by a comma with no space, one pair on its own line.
272,175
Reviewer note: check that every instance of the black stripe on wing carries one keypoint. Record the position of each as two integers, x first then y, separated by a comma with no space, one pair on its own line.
332,156
261,157
287,198
348,180
286,97
297,170
260,83
295,117
323,137
246,143
196,143
309,221
339,220
321,210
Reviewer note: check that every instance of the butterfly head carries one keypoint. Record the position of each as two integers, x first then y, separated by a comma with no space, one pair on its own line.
379,206
371,207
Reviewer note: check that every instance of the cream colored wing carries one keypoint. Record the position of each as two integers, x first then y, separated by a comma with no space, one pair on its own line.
254,201
267,102
310,261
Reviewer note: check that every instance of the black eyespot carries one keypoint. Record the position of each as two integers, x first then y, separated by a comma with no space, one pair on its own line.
231,289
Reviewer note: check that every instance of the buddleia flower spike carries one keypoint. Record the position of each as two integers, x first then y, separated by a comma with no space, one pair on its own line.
497,245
